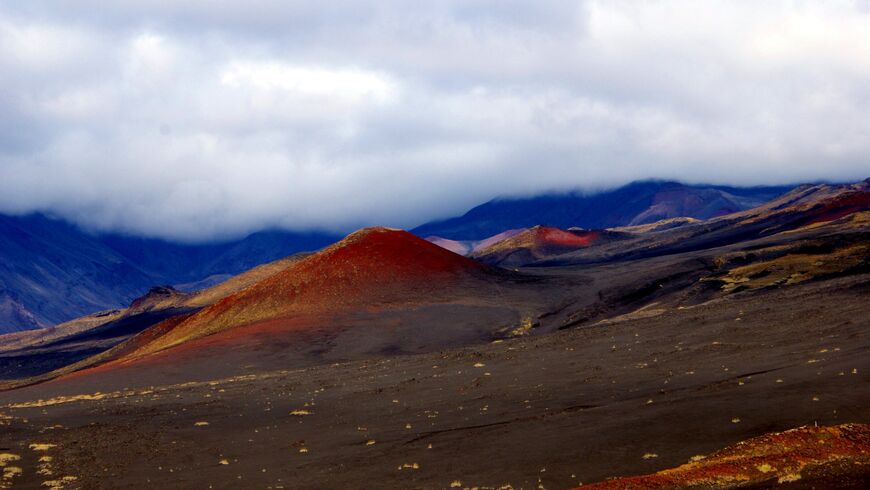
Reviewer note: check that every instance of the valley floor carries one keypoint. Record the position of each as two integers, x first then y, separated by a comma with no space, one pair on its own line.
623,397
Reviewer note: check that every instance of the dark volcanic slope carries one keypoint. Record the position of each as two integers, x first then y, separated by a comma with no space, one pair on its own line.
627,397
46,357
637,203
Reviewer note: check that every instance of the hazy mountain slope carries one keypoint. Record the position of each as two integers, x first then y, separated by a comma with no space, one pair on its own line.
51,271
178,263
19,317
636,203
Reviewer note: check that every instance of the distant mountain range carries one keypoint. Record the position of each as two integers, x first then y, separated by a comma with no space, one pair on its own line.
52,271
634,204
843,207
386,291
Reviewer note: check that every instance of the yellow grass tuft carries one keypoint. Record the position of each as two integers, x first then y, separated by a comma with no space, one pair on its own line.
6,458
38,446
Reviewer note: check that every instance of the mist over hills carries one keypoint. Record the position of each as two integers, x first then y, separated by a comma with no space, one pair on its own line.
634,204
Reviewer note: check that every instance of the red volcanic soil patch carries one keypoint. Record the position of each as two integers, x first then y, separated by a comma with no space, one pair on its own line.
830,457
536,243
371,269
546,236
809,205
839,206
379,257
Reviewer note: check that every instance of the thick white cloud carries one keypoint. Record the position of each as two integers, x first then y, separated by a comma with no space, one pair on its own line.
199,119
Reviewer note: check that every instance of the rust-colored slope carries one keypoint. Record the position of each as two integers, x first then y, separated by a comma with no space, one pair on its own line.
800,209
536,243
162,297
240,282
370,269
544,237
827,457
850,202
812,203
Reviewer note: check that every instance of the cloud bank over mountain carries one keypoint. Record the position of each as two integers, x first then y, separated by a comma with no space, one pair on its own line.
195,120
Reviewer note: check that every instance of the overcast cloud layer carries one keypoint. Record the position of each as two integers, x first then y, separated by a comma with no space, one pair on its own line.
201,119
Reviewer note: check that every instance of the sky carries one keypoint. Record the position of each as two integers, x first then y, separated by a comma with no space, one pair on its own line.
197,120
